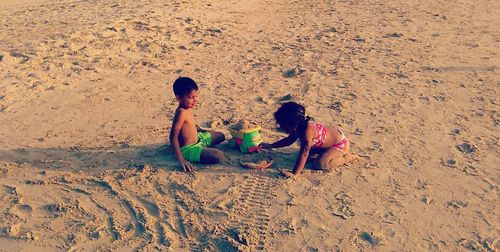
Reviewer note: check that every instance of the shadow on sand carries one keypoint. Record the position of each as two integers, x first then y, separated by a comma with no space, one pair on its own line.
161,156
92,159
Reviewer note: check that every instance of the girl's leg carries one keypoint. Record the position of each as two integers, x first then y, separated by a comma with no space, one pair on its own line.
333,158
211,156
217,137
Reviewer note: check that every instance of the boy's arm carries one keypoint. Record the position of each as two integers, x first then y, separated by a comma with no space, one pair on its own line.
290,139
177,123
201,129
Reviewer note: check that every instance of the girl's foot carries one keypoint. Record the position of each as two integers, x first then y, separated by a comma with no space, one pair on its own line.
345,159
350,157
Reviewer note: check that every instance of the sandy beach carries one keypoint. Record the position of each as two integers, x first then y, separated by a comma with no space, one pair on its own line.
86,106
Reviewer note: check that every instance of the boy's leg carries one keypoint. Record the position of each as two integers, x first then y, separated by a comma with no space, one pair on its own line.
217,137
211,156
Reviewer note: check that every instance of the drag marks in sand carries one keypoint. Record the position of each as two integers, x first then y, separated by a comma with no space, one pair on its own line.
138,208
102,211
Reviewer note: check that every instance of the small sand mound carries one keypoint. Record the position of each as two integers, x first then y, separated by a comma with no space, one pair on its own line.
242,125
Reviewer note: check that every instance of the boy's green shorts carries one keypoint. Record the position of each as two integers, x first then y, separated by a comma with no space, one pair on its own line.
192,153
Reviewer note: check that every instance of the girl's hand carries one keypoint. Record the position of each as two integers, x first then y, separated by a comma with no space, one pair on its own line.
287,174
186,166
266,146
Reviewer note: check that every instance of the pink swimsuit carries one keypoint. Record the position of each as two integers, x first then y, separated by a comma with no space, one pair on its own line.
321,138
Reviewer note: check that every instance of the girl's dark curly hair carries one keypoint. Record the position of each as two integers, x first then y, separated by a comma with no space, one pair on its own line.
292,115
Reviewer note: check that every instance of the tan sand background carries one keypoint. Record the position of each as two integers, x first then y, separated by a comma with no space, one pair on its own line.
86,107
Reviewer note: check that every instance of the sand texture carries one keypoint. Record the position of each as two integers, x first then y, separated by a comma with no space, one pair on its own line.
86,107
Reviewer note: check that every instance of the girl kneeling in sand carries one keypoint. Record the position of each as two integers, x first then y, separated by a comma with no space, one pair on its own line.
328,141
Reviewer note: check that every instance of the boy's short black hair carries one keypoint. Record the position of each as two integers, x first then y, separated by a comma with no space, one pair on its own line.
184,85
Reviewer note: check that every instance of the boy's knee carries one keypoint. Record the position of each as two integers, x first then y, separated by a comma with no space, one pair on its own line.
213,157
222,137
217,137
218,156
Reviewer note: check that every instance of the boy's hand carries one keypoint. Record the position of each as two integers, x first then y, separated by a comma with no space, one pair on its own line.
186,166
287,174
266,146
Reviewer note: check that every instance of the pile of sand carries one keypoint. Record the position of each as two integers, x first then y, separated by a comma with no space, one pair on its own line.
243,125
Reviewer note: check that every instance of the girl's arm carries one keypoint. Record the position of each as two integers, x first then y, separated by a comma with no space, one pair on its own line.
290,139
305,148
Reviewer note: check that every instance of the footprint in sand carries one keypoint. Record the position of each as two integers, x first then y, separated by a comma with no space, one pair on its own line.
23,210
457,204
470,170
466,148
370,238
342,206
390,217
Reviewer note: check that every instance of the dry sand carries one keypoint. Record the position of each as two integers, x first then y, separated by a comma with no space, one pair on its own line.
86,107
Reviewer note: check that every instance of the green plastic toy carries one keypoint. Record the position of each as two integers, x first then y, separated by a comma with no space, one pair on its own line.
247,141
